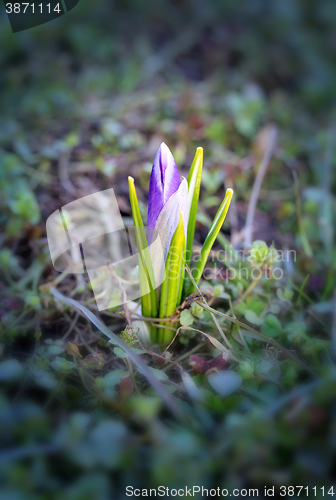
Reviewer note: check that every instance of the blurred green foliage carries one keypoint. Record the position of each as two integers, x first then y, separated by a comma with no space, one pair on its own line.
85,101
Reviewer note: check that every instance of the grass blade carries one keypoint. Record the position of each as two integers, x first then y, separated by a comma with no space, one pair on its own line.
259,335
142,367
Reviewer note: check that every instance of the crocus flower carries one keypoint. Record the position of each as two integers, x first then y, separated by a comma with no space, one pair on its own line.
167,198
164,182
172,210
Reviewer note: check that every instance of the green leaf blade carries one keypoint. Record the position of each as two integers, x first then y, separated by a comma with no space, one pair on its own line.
194,185
209,241
149,306
171,291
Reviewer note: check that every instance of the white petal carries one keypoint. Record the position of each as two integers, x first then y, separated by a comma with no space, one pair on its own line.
169,216
143,332
166,225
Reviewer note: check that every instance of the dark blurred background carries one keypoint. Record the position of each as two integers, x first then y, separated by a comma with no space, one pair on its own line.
287,46
85,100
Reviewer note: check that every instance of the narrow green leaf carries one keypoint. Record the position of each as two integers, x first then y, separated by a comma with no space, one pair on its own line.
222,240
146,301
210,239
146,276
171,290
194,185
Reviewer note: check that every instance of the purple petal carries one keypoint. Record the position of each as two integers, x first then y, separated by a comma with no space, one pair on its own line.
166,225
164,182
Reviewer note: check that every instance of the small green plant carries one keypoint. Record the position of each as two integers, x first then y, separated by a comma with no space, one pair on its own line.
172,210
